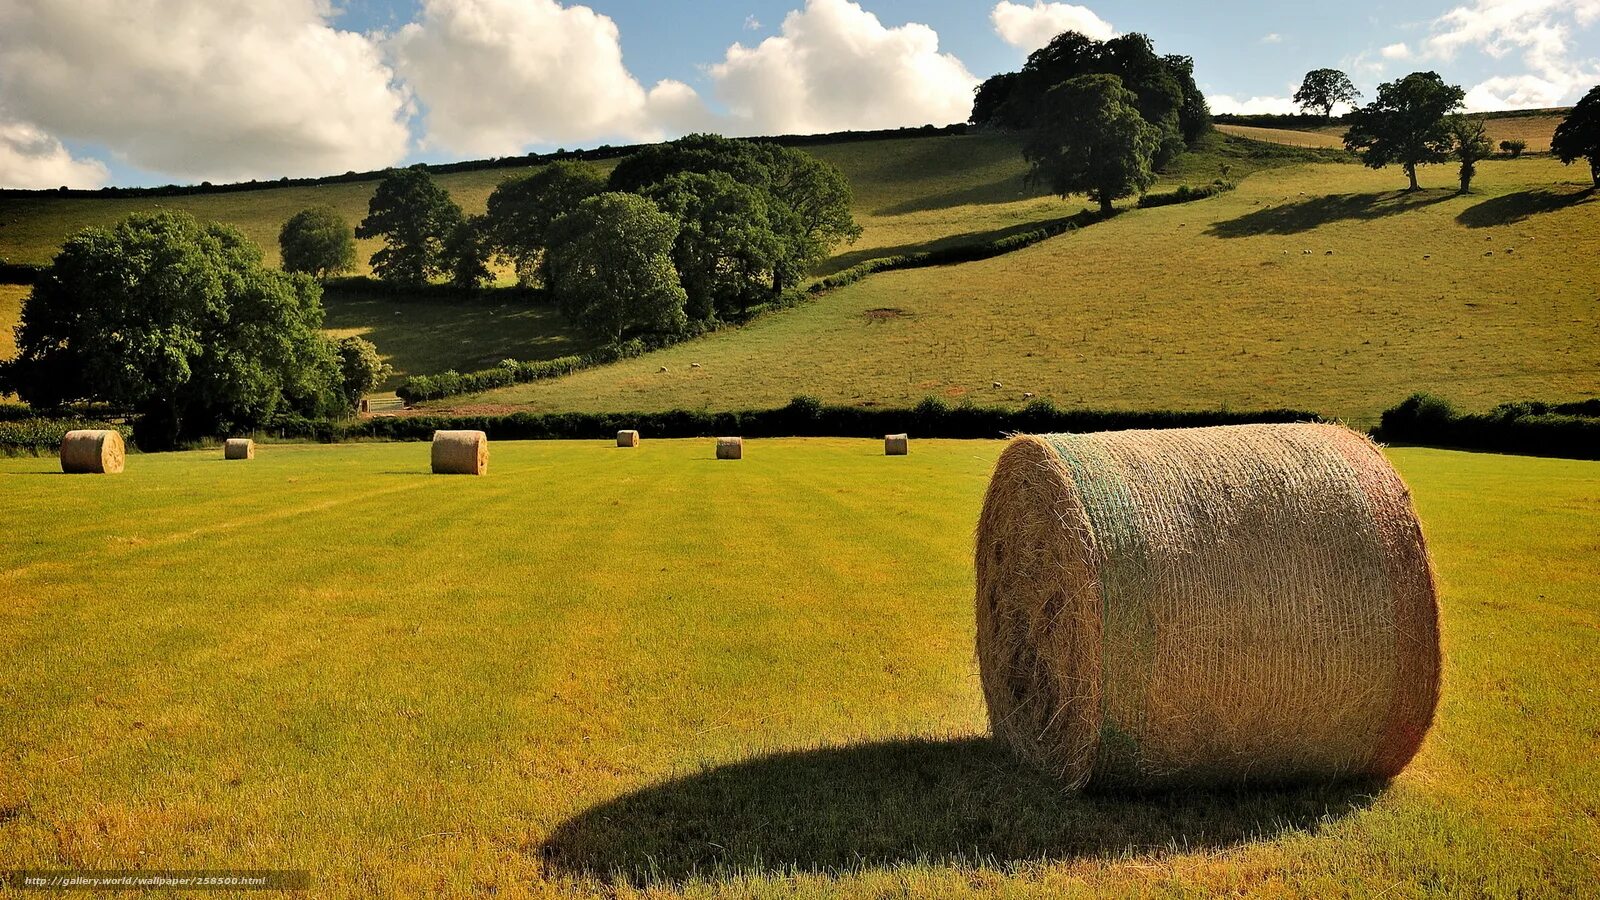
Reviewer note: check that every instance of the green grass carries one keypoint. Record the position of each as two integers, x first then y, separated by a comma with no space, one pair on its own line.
1198,305
751,678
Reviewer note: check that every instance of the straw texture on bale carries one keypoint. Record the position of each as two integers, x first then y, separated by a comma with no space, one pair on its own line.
460,453
1205,606
627,438
92,451
239,448
895,444
730,448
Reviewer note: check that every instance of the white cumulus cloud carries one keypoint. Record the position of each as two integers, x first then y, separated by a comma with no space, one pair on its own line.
1251,106
496,76
1031,27
834,67
225,89
31,159
1395,51
1538,32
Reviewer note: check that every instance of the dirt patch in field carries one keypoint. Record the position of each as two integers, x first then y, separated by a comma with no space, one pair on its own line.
885,313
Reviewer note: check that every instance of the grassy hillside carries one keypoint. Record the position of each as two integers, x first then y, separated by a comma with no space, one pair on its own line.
723,679
1534,130
1211,303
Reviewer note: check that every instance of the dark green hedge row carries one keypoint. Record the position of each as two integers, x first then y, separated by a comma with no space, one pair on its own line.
39,436
802,417
1530,428
1183,194
20,273
449,384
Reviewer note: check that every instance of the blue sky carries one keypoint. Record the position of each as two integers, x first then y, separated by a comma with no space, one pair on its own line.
152,91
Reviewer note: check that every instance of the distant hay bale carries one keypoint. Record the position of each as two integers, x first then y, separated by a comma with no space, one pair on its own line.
895,444
1243,604
93,451
460,453
628,438
239,448
730,448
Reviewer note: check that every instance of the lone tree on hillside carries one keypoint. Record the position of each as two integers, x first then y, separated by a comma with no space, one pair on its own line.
1406,124
1472,144
361,368
1091,140
464,255
1578,135
522,209
1513,148
610,267
414,216
178,322
1323,89
317,241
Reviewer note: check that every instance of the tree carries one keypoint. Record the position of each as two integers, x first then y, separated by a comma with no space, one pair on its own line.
1168,96
726,246
610,267
1406,124
177,322
465,254
808,201
317,241
1513,148
1578,135
1324,89
1472,144
414,216
522,209
361,369
1092,141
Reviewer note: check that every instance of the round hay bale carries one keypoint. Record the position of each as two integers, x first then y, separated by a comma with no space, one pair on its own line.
239,448
628,438
1205,606
730,448
93,451
895,444
460,453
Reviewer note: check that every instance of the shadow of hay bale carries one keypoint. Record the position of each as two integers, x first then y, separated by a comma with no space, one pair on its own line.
896,802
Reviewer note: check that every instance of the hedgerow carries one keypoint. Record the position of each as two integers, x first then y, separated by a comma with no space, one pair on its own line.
1529,427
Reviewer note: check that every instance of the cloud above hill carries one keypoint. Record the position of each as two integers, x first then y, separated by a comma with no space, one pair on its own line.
495,76
835,66
1540,32
32,159
1030,27
227,89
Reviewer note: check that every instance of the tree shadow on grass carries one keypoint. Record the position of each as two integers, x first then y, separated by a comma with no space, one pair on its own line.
907,801
1509,209
1306,215
835,264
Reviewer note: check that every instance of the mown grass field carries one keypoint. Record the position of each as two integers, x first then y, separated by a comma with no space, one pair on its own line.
1323,287
609,672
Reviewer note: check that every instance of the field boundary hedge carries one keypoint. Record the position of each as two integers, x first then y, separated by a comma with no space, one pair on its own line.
42,436
802,417
1529,428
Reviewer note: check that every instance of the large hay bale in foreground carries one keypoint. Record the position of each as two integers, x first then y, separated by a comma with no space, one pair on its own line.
460,453
239,448
97,451
895,444
1249,603
627,438
730,448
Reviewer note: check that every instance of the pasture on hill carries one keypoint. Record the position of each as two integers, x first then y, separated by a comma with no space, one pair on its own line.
601,672
1536,131
1321,287
911,194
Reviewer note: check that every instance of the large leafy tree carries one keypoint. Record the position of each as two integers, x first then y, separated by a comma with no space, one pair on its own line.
1164,86
1407,123
726,246
610,267
414,216
521,210
1578,135
1323,89
464,254
807,201
1093,141
1472,144
317,241
361,368
178,322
